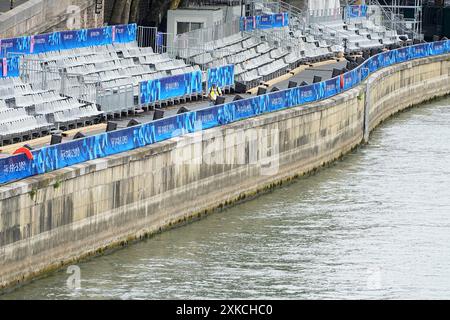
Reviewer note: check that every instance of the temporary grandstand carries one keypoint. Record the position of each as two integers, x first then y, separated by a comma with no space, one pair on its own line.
74,86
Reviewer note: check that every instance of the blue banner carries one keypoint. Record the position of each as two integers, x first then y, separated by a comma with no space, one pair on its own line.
174,86
9,67
54,157
267,21
248,23
170,87
277,100
15,167
357,11
19,45
72,39
351,79
221,76
208,117
98,36
13,66
159,41
332,87
124,33
41,43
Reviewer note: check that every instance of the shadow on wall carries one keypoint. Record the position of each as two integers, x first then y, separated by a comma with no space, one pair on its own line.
152,13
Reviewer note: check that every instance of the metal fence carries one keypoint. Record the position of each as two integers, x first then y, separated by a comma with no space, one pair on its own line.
324,15
198,38
41,76
86,88
117,100
147,37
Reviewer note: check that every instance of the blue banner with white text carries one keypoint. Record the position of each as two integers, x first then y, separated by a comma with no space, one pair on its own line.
124,33
222,76
170,87
268,21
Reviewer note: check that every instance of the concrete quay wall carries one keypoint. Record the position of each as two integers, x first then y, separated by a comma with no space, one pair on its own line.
57,218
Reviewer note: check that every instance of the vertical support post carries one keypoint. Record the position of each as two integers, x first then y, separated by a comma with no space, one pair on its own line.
366,128
45,69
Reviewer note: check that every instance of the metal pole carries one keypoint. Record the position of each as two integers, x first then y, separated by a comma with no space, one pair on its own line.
242,9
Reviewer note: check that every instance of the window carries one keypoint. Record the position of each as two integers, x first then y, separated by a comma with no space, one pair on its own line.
183,27
196,25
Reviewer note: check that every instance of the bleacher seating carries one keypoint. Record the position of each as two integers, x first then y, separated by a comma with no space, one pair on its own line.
26,112
33,105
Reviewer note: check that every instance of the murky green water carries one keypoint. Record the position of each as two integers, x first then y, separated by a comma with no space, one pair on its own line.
374,225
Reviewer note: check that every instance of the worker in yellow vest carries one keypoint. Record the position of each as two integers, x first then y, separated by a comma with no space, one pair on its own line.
214,92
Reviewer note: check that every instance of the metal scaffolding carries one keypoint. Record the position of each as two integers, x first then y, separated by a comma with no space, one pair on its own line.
405,16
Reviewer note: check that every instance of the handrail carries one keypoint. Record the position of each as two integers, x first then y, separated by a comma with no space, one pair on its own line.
295,13
394,21
274,39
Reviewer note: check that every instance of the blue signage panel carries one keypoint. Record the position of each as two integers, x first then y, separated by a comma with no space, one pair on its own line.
357,11
41,43
267,21
222,76
124,33
207,118
13,66
15,167
174,86
66,40
73,39
277,100
170,87
15,45
332,87
98,36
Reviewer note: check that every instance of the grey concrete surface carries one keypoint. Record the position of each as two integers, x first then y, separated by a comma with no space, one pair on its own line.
57,218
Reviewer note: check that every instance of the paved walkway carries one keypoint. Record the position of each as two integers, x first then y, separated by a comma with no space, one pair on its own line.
324,71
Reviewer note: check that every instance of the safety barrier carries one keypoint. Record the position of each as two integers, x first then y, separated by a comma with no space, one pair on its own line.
222,76
163,89
9,67
62,155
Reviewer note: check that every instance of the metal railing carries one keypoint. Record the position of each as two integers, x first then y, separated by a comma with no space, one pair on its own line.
199,56
197,38
117,100
297,17
41,76
336,35
395,21
85,88
147,37
324,15
277,39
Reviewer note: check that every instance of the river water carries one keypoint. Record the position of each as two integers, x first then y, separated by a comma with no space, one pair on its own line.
375,224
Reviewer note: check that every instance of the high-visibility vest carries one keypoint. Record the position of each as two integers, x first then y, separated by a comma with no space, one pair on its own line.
213,94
